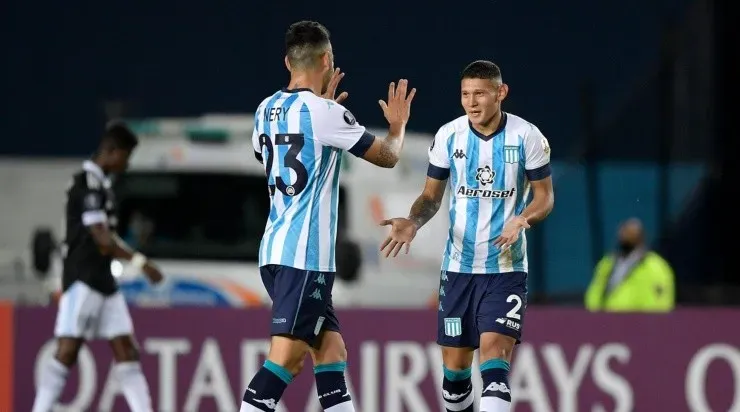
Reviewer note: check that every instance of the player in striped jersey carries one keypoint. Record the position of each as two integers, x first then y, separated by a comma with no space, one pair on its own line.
492,159
299,135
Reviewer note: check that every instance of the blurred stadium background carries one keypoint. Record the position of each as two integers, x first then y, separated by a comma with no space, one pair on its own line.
629,94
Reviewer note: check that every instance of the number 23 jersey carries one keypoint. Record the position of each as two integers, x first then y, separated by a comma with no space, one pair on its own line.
299,138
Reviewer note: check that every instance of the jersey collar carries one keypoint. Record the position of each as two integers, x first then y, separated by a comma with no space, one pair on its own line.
499,129
298,90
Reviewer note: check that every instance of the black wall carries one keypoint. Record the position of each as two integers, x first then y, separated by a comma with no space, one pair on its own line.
62,60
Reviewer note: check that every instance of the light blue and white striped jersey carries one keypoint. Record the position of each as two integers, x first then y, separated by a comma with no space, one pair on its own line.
299,138
489,184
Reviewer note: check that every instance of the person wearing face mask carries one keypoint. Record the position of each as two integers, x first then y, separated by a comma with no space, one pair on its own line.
633,278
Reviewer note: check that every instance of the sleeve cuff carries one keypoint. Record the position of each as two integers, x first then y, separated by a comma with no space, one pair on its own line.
258,156
93,217
436,172
364,143
539,173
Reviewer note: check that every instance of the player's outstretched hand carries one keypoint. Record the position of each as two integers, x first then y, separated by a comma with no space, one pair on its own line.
398,108
402,233
511,231
152,272
331,89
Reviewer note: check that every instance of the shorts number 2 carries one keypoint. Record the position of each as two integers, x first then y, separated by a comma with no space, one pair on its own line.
514,312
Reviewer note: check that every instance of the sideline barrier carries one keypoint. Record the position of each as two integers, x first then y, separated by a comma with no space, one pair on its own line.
571,360
7,339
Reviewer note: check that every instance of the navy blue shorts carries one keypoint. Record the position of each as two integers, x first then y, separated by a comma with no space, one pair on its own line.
301,302
471,304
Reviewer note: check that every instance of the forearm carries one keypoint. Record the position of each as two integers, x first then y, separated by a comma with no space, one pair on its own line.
124,251
120,249
391,146
423,210
538,209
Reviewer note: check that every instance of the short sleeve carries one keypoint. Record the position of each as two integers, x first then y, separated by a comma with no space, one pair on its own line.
537,155
439,158
93,206
256,145
335,126
256,136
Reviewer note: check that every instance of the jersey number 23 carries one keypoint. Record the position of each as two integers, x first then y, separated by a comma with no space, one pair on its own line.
289,161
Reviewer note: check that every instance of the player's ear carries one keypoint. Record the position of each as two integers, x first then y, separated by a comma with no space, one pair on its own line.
503,91
326,61
287,63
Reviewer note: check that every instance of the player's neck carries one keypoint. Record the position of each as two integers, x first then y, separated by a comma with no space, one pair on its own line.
98,162
489,127
303,80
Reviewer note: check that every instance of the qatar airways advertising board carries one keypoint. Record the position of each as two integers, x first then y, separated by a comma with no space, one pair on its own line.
201,360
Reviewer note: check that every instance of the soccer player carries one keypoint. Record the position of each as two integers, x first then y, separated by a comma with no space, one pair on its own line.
300,133
91,307
491,159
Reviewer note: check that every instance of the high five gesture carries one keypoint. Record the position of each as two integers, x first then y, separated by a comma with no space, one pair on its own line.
331,88
398,108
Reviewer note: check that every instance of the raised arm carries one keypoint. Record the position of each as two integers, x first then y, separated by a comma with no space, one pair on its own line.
337,127
385,152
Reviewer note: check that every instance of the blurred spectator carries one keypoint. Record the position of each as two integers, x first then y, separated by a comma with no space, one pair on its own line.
632,279
140,231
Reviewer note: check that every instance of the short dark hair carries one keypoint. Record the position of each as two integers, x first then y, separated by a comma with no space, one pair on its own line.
118,136
305,41
481,69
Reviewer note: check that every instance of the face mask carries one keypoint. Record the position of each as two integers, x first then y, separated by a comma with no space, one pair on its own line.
625,248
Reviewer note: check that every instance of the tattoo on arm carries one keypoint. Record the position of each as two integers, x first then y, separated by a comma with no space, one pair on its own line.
423,210
389,150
